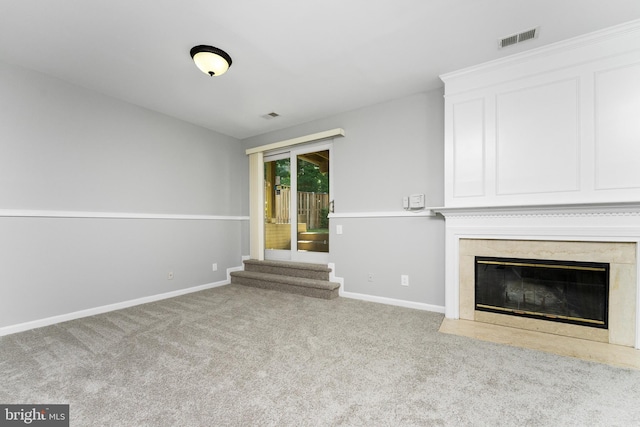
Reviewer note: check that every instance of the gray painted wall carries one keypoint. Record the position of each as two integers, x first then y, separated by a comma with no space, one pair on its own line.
65,148
390,150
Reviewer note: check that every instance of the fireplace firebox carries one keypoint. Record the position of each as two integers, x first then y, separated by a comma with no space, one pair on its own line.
561,291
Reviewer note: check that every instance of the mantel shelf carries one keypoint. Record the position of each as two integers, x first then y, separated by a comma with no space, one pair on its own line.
613,208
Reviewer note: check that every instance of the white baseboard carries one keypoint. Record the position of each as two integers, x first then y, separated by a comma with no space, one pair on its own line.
381,300
21,327
334,278
396,302
238,268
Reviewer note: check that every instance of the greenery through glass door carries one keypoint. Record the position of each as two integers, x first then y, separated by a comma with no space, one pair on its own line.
277,194
313,201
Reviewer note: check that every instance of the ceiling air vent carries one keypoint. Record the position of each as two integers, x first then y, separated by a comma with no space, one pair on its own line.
518,38
271,115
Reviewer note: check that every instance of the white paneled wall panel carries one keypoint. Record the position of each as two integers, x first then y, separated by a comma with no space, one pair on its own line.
558,124
538,139
617,127
468,148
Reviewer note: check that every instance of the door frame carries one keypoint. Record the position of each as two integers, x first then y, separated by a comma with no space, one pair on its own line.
256,184
293,254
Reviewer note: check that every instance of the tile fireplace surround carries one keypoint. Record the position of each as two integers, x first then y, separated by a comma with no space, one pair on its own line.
602,232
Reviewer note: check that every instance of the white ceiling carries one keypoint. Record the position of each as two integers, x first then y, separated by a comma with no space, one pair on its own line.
304,59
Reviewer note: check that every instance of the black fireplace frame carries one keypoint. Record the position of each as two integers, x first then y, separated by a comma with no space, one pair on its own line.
576,265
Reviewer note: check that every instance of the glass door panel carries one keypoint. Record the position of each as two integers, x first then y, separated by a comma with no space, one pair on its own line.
312,201
277,208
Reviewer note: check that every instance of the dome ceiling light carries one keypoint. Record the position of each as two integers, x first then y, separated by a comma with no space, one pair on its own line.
211,60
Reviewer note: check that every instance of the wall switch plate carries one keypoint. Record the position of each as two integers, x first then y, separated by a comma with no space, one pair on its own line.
170,275
338,229
404,280
214,266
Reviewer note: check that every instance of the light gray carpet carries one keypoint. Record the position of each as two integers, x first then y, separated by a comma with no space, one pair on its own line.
238,356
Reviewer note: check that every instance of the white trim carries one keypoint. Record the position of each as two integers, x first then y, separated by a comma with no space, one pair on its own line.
21,327
238,268
567,209
256,205
21,213
334,278
396,302
338,132
393,214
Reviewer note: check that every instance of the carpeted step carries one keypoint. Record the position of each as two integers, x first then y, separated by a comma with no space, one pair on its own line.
295,285
287,268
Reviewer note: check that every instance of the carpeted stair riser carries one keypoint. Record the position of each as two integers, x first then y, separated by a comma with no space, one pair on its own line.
297,278
304,270
278,285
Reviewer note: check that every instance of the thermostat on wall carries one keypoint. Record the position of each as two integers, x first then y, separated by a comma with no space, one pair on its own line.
414,201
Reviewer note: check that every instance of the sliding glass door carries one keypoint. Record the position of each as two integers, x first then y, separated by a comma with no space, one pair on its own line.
297,204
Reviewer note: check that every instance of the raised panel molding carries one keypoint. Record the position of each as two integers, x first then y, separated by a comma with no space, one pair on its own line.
617,127
468,148
559,124
537,139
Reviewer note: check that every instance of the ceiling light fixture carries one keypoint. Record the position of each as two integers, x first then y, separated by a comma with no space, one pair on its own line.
211,60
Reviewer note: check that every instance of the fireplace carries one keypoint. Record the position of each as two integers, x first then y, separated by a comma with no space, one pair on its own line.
621,278
604,233
560,291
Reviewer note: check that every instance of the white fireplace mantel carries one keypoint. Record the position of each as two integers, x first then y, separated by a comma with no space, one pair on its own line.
567,209
543,146
588,222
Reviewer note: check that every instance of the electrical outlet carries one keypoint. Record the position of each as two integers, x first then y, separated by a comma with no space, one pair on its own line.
170,275
214,266
404,280
370,277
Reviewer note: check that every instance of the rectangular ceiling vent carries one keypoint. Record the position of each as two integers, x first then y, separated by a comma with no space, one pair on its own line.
519,37
271,115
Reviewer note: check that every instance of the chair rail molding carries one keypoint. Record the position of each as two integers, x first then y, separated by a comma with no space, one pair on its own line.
26,213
